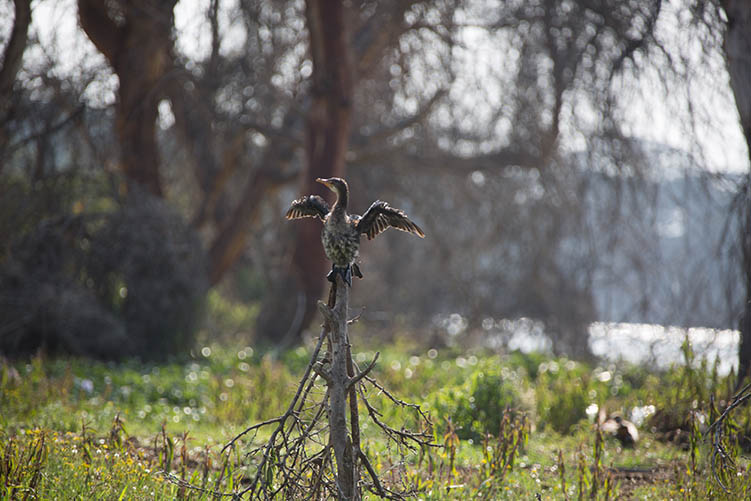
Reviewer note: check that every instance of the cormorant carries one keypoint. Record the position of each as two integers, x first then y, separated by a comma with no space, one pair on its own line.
341,231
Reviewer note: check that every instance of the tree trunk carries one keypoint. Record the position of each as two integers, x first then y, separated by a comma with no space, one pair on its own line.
327,134
327,137
13,55
737,45
136,40
229,243
11,63
369,43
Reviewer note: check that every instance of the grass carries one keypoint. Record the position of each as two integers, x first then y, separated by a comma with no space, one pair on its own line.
511,426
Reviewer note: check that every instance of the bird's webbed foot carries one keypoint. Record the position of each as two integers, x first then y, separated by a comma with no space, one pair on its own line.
356,270
345,272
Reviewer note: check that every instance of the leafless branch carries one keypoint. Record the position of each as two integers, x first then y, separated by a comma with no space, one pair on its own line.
356,378
400,402
248,430
50,129
385,132
402,437
283,419
716,430
184,484
285,468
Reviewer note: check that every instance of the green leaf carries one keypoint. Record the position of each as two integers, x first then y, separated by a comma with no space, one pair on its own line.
122,494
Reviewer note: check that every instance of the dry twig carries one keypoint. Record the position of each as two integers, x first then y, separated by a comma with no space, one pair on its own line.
286,466
716,430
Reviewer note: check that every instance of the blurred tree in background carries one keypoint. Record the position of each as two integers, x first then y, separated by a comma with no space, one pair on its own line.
506,129
733,19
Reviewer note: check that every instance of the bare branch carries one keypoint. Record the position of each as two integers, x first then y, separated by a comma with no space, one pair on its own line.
284,457
403,437
328,314
373,475
355,379
716,430
282,420
364,141
398,401
50,129
356,317
322,372
249,429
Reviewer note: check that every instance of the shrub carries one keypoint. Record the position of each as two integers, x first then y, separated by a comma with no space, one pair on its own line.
124,281
563,394
476,406
151,270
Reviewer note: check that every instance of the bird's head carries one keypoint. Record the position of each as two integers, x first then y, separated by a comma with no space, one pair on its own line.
335,184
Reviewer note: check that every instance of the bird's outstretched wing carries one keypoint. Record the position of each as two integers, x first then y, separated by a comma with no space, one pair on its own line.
308,206
380,216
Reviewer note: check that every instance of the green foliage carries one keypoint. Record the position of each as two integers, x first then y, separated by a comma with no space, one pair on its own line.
75,428
217,386
563,394
229,316
529,362
476,407
501,451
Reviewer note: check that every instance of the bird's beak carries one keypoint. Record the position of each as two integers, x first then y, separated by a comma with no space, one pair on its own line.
324,182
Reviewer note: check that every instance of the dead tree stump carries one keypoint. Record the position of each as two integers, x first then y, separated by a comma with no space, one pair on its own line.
287,466
339,383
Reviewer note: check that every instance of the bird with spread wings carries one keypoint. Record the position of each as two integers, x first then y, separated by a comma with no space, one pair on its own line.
341,231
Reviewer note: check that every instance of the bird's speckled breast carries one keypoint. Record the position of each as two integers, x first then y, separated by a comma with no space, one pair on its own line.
341,242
